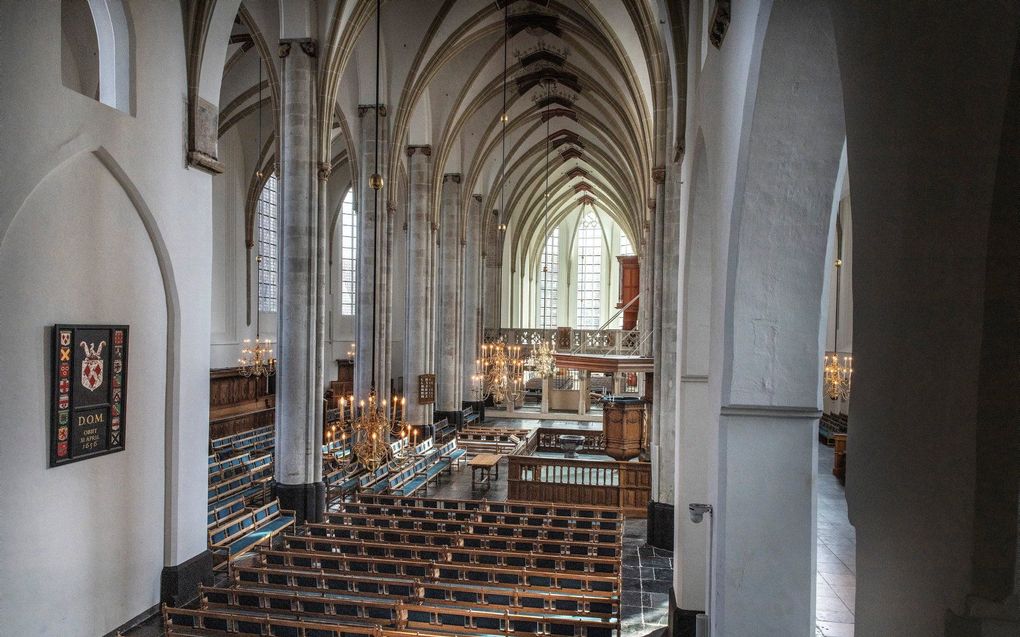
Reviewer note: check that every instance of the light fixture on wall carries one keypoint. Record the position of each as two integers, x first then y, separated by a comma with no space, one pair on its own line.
837,370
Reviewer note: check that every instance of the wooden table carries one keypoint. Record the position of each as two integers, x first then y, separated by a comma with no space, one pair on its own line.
484,462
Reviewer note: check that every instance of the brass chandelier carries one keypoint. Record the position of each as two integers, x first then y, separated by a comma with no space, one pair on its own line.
837,370
543,357
373,423
370,428
502,373
257,360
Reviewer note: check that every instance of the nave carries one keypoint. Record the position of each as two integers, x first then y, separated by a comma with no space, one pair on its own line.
358,243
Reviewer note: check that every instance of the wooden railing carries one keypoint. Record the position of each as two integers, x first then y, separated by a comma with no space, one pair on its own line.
594,440
593,482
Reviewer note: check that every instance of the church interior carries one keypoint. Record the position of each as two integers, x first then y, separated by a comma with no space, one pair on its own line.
589,318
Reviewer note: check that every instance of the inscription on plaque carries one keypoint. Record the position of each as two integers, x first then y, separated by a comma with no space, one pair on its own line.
89,391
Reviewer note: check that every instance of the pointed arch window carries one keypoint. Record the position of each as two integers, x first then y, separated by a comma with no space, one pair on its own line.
348,255
268,239
548,281
589,273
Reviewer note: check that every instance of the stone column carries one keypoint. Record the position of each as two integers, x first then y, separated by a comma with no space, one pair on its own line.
582,391
546,394
373,299
448,328
419,240
664,413
471,313
298,464
493,273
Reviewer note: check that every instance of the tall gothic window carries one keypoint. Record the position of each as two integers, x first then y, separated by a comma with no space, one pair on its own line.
589,273
548,278
626,248
348,255
268,237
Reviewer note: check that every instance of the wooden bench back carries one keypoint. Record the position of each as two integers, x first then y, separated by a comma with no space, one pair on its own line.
531,527
599,603
478,574
395,613
446,554
466,540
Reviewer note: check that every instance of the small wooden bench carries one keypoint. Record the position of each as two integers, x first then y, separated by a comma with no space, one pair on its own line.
239,535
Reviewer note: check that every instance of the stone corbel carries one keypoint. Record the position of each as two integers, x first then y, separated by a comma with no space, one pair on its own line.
325,170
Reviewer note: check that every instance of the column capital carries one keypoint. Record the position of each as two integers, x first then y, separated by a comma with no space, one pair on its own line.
454,177
325,170
651,203
477,197
424,150
391,208
659,174
309,46
364,108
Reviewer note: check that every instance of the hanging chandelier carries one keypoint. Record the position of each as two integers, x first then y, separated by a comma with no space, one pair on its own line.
838,373
257,359
543,357
371,425
501,373
543,360
837,370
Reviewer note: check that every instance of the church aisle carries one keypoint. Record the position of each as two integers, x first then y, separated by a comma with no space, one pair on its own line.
836,562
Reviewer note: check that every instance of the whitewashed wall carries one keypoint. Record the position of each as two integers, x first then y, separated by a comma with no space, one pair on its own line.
103,223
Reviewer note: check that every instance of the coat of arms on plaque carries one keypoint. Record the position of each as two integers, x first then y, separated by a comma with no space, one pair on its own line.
92,365
87,417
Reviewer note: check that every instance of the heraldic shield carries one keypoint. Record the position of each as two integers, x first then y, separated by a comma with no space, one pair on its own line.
92,365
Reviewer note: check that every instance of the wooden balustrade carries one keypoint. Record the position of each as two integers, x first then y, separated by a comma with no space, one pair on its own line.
592,482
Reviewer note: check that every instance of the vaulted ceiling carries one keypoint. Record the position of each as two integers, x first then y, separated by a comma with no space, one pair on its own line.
586,86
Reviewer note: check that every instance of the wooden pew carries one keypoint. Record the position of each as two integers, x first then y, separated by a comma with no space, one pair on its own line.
575,513
240,534
478,574
581,563
228,510
448,619
602,604
466,540
533,529
194,622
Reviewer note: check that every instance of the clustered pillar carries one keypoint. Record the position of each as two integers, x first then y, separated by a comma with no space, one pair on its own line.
472,287
666,289
448,327
302,233
419,281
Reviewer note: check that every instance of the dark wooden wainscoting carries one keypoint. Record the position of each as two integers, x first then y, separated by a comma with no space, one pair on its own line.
237,403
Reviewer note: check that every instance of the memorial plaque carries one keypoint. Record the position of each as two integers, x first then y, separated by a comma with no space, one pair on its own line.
89,391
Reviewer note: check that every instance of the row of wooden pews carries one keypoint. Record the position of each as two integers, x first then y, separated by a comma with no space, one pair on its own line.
412,469
390,565
242,514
